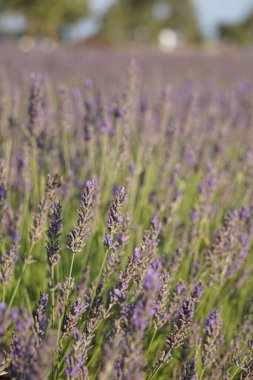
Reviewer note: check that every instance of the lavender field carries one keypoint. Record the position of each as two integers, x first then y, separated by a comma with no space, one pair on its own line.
126,215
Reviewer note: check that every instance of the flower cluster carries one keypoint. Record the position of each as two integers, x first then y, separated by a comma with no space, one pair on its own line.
78,236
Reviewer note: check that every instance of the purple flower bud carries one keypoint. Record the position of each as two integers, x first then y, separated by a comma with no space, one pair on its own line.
198,291
90,184
230,272
107,241
180,288
178,166
136,253
3,192
201,188
213,321
117,293
120,192
243,238
122,238
119,218
152,280
88,83
15,236
156,265
154,221
245,213
250,229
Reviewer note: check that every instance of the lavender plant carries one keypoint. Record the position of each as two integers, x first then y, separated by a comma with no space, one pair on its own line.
154,281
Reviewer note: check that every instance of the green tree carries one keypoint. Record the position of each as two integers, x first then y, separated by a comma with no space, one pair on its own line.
240,34
46,16
126,16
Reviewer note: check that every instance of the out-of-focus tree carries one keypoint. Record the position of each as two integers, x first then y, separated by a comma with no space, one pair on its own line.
143,19
45,17
241,34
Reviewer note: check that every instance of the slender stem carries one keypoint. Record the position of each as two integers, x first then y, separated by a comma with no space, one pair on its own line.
72,263
99,278
234,375
28,302
20,278
202,374
152,340
17,286
155,371
238,368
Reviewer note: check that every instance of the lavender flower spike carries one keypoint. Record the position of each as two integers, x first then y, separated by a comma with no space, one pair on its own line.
8,262
178,333
212,326
75,314
40,318
53,234
53,182
115,216
77,359
79,235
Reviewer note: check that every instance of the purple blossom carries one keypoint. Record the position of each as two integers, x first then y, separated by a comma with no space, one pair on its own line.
243,238
136,253
40,318
152,280
154,221
88,83
3,192
108,240
213,321
198,291
245,213
115,216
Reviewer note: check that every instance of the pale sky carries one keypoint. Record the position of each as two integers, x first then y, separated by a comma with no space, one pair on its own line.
213,12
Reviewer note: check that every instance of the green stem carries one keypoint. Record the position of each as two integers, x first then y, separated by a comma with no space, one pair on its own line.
17,286
20,278
202,374
238,368
98,279
72,264
152,340
155,371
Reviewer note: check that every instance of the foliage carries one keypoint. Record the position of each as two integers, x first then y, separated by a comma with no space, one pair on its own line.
46,17
240,34
126,17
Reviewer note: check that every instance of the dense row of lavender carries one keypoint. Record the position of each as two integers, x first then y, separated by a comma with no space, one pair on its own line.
126,225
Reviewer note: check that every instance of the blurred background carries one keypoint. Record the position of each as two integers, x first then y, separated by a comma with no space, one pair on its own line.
166,24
